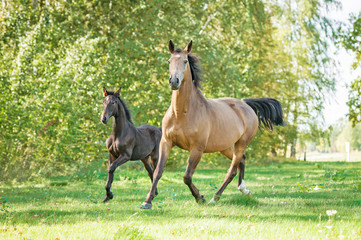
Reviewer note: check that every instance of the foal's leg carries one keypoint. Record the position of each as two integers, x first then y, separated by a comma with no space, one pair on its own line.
193,161
164,149
112,166
149,167
241,183
154,156
232,171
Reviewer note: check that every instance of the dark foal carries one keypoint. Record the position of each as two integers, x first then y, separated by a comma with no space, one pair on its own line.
127,142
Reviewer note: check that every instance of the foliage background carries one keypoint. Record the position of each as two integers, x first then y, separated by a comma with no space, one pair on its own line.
57,55
349,37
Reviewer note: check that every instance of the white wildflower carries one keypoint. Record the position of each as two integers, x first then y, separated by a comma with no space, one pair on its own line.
331,212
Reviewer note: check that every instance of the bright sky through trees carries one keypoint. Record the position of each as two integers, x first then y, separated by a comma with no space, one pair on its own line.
336,107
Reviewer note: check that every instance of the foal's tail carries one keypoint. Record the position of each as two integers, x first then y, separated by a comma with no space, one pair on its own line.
268,110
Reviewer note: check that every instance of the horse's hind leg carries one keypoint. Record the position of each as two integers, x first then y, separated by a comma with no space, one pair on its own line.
232,171
241,183
193,161
150,169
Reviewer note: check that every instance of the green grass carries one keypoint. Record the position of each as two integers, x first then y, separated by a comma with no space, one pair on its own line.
285,205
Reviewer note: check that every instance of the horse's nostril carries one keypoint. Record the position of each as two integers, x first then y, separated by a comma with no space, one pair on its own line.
177,80
170,78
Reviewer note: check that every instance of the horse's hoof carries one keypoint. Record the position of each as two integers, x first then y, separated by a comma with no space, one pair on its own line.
249,194
212,202
201,200
146,205
108,197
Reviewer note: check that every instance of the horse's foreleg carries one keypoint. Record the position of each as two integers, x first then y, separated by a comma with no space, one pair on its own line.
232,172
193,161
241,183
112,166
164,149
149,167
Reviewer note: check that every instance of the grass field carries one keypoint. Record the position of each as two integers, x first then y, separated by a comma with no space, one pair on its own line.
290,201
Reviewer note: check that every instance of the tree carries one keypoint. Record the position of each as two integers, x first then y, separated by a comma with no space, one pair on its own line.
350,39
56,56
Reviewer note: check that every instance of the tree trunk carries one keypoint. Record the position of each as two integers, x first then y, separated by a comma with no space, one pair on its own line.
293,151
274,153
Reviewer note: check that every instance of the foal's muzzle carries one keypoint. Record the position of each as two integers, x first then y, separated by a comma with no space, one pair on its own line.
174,82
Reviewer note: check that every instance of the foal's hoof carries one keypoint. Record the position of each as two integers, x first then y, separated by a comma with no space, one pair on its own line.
108,197
201,200
146,205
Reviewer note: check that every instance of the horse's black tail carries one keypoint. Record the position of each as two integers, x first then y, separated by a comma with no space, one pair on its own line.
268,110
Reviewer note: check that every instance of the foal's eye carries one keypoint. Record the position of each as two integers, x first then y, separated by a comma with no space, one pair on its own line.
169,61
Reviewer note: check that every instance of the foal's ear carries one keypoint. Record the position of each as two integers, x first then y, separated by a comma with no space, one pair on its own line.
171,46
105,92
118,92
189,47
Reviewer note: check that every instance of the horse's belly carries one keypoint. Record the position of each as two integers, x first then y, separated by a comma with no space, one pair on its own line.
217,146
141,151
223,138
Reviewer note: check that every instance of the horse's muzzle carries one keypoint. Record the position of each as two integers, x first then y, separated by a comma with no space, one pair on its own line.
104,120
174,83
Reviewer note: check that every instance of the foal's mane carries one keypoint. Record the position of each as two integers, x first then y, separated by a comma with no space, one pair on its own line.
194,63
125,107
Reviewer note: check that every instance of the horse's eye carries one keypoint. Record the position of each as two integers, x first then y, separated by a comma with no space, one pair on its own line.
169,61
185,61
113,102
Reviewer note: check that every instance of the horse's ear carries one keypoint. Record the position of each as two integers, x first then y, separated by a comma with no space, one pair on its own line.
189,47
118,92
171,46
105,92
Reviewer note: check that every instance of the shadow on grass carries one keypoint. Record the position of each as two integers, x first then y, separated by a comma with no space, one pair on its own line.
274,197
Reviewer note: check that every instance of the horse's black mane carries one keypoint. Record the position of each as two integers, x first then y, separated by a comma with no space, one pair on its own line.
194,63
126,109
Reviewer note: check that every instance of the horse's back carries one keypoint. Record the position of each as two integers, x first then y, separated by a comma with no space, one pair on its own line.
241,108
233,110
150,131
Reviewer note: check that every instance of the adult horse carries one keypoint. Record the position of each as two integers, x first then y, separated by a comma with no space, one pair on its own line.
127,142
201,125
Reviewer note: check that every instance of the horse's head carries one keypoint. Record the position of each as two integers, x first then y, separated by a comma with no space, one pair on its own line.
110,104
178,64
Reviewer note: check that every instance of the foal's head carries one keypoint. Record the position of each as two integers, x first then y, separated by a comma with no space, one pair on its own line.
110,104
178,63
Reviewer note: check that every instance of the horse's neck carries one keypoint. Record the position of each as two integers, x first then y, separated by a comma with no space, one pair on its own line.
182,98
120,122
